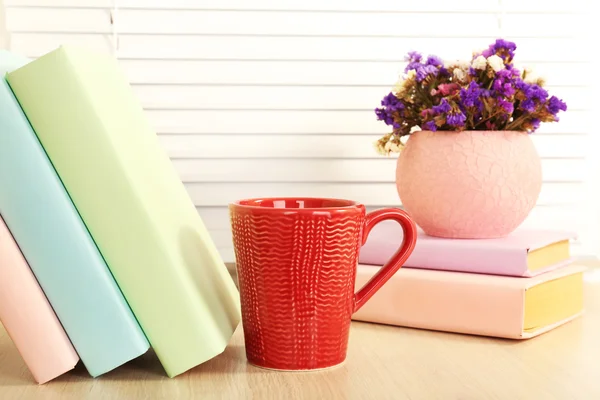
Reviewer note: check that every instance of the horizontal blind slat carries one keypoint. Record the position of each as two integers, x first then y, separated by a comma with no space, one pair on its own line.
431,6
365,98
58,20
303,122
295,48
325,146
371,193
335,170
305,73
144,21
244,22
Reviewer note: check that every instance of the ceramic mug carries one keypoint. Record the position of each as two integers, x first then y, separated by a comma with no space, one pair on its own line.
296,261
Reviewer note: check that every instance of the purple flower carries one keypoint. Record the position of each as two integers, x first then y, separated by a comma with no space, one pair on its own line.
506,105
456,119
503,83
532,91
539,93
435,61
486,93
429,126
503,88
502,48
534,95
494,97
504,74
414,61
383,116
423,71
391,104
442,108
555,105
432,66
413,56
528,105
470,95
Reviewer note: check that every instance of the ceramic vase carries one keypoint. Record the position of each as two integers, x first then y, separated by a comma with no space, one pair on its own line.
470,184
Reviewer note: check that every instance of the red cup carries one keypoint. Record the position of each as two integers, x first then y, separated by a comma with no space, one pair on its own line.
296,260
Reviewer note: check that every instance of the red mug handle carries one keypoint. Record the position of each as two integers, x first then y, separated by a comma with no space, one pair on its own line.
397,260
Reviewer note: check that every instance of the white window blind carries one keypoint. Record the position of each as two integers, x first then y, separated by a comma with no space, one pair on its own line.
268,98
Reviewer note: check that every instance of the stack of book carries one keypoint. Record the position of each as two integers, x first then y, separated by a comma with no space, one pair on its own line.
102,252
516,287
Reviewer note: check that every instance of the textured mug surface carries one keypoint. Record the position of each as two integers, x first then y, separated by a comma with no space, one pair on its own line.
296,260
470,184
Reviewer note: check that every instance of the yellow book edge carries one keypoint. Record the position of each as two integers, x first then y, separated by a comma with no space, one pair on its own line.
553,301
548,255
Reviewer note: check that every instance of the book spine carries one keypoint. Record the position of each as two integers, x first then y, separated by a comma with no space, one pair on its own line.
59,249
428,300
28,317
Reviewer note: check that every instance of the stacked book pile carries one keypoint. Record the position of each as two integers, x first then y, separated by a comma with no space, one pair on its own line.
516,287
102,253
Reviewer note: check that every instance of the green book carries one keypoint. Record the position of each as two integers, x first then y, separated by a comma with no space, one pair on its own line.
136,208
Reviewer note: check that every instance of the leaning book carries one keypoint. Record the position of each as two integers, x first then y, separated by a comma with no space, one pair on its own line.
28,318
57,244
129,195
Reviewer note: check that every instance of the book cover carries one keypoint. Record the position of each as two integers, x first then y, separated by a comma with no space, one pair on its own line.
28,318
57,246
477,304
133,202
524,253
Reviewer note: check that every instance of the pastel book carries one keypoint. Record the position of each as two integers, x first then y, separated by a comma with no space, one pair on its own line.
477,304
28,318
524,253
57,245
129,195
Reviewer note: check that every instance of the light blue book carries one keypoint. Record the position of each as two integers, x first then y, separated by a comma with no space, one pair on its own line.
57,245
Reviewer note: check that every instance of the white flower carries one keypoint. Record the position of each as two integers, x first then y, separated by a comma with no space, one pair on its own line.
530,76
459,74
393,144
479,63
462,64
399,88
379,148
496,62
411,74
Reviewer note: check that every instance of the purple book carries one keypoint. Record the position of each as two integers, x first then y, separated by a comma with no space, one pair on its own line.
524,253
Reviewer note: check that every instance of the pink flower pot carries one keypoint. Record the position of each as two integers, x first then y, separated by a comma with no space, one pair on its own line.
470,184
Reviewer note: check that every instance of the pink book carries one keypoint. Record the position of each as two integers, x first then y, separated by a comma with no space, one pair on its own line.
524,253
476,304
28,317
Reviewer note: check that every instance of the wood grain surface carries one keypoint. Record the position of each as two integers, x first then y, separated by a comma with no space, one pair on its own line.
383,363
